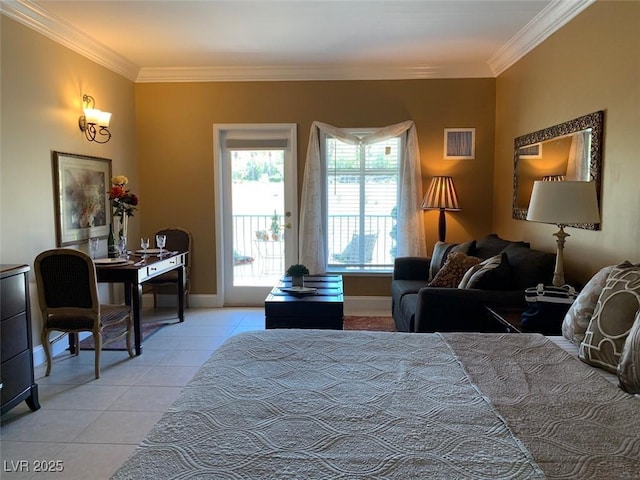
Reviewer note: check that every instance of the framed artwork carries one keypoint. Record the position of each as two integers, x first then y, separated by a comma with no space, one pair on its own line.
459,143
81,185
531,151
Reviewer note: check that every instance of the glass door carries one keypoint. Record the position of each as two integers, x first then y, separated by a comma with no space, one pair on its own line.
258,210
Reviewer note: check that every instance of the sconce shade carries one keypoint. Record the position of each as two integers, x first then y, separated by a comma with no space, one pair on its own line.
92,117
563,203
441,195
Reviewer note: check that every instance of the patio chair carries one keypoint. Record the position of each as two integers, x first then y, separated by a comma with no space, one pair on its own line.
351,253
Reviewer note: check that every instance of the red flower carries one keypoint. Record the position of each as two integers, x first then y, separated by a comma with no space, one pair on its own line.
117,191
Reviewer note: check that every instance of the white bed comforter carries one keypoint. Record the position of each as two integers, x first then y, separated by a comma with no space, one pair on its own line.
304,404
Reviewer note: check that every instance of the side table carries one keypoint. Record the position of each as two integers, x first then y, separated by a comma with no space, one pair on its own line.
509,317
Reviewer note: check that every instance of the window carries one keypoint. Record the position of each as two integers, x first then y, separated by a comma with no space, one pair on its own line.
361,197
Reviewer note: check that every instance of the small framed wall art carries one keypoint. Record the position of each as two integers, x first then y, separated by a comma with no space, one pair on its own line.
81,200
459,143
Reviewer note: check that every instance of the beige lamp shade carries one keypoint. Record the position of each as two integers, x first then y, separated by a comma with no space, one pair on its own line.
441,195
563,203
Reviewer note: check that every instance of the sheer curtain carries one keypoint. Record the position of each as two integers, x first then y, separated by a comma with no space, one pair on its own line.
579,156
410,237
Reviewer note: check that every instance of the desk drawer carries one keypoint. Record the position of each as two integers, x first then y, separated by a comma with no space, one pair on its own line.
13,336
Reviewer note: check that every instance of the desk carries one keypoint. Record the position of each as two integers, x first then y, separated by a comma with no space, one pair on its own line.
134,275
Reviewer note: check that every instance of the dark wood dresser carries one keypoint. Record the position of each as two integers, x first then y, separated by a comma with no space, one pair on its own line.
16,347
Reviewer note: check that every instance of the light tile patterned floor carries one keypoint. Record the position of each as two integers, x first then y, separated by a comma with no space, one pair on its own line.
92,426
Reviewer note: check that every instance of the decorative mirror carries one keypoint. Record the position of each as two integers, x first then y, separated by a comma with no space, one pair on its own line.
569,151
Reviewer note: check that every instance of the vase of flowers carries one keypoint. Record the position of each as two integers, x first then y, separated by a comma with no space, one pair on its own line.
124,203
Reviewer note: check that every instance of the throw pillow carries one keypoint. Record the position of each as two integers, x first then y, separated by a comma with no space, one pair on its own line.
453,270
490,274
629,365
529,267
612,318
441,251
580,312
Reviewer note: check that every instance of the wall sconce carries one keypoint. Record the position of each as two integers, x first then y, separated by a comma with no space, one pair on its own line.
94,122
441,196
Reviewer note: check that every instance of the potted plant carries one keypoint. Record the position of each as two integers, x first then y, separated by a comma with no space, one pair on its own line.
275,226
297,272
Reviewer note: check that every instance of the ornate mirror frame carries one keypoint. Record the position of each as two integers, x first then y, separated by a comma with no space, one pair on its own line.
593,121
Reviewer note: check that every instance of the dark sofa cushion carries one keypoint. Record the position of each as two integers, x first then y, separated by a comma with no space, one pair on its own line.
529,267
492,245
400,288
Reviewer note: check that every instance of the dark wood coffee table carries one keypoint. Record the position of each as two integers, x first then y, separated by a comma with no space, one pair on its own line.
322,310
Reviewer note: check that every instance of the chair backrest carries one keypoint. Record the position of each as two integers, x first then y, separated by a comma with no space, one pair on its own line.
351,253
178,239
66,280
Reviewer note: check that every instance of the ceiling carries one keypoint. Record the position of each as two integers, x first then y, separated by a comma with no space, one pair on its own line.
216,40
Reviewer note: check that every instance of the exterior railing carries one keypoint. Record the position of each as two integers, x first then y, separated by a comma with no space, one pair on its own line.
342,229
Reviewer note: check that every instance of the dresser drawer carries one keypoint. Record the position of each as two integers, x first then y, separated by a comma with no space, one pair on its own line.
16,376
12,296
13,336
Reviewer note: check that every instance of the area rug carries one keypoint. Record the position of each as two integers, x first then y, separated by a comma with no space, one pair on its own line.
146,330
379,324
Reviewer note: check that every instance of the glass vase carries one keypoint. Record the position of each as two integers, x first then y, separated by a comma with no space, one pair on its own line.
120,226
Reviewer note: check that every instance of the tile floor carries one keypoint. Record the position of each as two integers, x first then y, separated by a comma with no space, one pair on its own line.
90,427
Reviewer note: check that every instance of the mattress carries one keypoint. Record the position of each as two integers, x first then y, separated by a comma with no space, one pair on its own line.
313,404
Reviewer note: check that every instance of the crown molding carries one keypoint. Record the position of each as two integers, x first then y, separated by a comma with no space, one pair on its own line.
553,17
282,73
43,22
549,20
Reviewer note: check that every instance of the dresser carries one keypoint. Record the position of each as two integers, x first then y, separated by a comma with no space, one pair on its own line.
16,347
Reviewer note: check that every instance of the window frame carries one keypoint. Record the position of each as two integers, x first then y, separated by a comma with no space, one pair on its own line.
355,269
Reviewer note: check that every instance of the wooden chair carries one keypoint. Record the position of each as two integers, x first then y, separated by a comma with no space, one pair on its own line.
178,239
68,298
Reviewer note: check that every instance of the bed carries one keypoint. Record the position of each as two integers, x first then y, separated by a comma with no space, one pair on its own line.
311,404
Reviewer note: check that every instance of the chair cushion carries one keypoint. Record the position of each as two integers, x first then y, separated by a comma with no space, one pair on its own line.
491,274
492,245
629,365
450,275
613,318
580,312
441,251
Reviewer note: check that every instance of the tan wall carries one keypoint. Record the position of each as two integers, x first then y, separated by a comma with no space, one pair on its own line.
42,87
175,147
590,64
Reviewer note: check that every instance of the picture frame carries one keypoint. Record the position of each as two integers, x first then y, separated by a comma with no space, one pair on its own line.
531,151
81,198
459,143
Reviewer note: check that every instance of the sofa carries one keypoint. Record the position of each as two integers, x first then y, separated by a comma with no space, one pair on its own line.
450,291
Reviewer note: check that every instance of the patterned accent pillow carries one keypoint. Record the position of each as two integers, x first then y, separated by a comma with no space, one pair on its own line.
580,312
441,251
612,318
453,270
629,366
490,274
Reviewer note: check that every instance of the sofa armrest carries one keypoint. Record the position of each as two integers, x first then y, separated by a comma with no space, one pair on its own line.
461,310
411,268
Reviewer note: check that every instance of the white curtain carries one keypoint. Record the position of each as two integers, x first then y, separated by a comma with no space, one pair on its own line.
579,157
410,237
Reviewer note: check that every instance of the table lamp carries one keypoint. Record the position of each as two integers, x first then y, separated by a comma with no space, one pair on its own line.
563,204
441,196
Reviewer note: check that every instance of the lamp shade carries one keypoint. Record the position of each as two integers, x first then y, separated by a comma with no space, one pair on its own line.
441,195
563,203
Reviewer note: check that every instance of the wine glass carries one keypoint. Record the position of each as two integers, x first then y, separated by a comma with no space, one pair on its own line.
122,247
94,242
144,243
161,241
